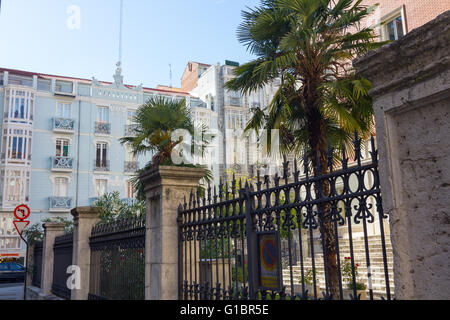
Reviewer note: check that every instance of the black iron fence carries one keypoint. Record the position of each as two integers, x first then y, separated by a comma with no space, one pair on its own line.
63,250
318,233
37,264
118,260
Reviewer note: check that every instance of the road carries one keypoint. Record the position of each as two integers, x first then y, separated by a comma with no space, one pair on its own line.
11,291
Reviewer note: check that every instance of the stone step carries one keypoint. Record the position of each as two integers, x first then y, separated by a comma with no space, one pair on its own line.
361,271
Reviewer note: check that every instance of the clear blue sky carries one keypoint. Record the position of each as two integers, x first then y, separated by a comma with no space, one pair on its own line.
34,36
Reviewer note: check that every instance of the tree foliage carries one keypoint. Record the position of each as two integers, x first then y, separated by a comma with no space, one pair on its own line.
156,122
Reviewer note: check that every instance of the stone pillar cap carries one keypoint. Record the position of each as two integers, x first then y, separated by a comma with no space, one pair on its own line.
85,211
172,176
54,225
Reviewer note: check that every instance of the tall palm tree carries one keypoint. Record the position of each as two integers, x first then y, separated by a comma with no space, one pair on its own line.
309,45
156,120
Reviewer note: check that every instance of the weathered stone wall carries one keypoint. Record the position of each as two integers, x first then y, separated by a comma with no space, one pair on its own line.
411,91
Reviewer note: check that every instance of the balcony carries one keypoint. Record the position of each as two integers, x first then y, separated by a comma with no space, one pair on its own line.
129,201
102,166
234,101
131,166
63,125
64,88
62,163
60,203
130,130
102,128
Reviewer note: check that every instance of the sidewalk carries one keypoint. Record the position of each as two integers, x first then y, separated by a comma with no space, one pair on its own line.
11,291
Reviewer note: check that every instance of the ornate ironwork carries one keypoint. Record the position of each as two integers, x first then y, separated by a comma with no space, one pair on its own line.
60,203
130,130
322,216
65,163
102,128
63,124
37,264
63,250
102,165
131,166
118,260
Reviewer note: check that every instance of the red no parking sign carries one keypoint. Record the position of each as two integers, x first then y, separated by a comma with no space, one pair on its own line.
21,213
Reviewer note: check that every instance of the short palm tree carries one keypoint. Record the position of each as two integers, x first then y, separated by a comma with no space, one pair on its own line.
156,120
309,45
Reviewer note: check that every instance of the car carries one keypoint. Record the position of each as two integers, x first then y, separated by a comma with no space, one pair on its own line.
12,271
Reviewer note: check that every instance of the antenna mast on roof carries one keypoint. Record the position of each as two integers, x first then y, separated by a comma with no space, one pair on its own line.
120,33
170,68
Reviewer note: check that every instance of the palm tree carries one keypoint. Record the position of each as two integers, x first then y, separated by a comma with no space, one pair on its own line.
156,120
309,45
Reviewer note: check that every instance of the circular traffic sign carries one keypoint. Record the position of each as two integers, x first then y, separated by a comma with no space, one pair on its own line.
22,212
268,254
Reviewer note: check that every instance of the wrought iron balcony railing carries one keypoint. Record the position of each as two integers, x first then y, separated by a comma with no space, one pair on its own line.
129,201
65,163
130,130
131,166
102,128
60,203
233,101
101,165
63,124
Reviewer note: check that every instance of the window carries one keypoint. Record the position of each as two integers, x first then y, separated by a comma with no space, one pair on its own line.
63,86
393,26
64,110
103,114
44,85
101,155
131,114
130,190
100,187
235,120
61,187
19,105
16,144
62,148
394,29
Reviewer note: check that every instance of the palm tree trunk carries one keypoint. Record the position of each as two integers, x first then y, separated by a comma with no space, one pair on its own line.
327,227
318,144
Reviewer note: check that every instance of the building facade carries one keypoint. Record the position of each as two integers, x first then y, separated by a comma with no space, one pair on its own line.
226,113
60,144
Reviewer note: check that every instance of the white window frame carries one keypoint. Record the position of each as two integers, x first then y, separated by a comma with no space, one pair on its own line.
129,190
399,12
57,190
64,105
97,187
103,145
63,142
101,114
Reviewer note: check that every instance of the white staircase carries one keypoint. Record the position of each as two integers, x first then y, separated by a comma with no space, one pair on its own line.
378,280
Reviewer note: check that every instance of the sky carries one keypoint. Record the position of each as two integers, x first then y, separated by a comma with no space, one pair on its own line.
80,38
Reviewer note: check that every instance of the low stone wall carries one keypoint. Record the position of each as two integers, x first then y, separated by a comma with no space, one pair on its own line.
34,293
411,97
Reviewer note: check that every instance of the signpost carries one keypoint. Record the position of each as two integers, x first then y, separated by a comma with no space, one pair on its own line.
21,213
269,267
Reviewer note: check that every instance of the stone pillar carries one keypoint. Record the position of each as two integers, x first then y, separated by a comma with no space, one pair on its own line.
51,231
165,189
30,261
84,218
411,97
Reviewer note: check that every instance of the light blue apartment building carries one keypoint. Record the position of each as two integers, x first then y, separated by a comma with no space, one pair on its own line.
60,136
60,144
